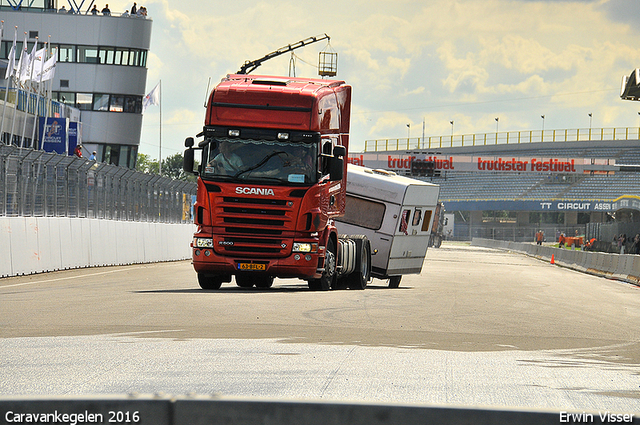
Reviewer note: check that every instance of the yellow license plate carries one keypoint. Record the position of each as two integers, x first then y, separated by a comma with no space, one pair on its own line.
251,266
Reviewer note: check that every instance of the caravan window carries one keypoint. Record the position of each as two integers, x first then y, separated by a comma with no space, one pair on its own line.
364,213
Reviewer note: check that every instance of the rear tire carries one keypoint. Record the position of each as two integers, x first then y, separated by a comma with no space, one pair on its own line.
360,276
210,281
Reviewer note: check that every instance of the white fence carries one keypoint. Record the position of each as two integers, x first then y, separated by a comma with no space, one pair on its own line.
41,244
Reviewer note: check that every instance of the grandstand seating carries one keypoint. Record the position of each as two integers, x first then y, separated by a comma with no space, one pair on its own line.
528,186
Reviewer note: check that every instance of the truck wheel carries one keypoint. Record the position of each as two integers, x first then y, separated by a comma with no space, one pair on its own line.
394,281
209,281
264,282
360,276
326,282
244,281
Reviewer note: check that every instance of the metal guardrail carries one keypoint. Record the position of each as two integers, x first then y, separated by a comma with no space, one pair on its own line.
508,137
40,184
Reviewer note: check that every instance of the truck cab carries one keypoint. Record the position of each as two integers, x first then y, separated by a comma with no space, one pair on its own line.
271,182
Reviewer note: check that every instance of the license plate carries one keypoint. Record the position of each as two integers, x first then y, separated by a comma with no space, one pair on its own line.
251,266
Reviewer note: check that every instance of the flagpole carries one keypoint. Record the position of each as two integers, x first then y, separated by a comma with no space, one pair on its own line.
35,115
9,77
26,106
18,74
160,145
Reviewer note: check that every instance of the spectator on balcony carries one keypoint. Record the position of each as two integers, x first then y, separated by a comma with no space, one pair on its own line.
94,11
635,247
106,11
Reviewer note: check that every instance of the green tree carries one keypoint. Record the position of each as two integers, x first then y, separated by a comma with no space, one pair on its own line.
147,165
172,167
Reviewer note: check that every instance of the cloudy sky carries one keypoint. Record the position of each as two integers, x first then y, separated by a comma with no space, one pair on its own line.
408,61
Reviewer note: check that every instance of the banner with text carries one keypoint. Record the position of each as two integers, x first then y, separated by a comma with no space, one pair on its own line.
401,163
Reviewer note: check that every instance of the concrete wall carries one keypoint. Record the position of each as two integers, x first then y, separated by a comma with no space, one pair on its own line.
615,266
42,244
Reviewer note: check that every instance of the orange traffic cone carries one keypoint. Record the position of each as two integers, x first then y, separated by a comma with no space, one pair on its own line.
553,261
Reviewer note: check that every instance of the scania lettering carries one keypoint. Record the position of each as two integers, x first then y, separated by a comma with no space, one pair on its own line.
271,184
254,191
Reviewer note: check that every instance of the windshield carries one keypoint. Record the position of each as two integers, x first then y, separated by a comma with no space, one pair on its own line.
249,159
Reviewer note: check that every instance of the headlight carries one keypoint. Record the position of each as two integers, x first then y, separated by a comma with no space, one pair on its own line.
304,247
203,243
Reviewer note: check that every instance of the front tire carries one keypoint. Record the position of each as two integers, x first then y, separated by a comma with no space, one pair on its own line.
210,281
326,282
264,282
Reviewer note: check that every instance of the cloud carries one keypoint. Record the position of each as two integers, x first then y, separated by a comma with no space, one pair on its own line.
410,61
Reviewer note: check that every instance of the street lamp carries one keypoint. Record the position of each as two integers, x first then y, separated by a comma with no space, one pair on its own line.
542,135
497,122
408,131
451,122
590,120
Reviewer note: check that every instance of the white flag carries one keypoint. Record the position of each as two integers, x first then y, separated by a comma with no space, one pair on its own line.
12,59
38,64
153,98
49,70
27,70
23,58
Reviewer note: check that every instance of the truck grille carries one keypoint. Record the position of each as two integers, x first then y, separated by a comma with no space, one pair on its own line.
255,227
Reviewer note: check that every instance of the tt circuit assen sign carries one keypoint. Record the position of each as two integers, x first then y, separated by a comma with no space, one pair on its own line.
623,202
401,163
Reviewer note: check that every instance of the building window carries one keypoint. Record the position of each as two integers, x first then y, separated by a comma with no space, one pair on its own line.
67,98
66,53
33,34
88,54
100,102
64,83
117,103
84,101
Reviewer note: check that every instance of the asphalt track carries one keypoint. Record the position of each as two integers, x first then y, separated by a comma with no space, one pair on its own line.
477,327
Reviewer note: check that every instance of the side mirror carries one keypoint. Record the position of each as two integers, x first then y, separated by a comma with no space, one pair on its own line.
339,151
187,160
188,142
336,168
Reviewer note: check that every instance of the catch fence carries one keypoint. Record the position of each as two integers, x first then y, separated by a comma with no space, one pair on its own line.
40,184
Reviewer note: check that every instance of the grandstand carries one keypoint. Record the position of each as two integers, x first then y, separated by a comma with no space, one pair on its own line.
599,197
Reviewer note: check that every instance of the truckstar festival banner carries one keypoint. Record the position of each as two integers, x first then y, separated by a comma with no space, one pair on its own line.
401,163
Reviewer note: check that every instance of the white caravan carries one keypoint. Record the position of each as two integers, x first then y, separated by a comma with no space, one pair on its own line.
396,214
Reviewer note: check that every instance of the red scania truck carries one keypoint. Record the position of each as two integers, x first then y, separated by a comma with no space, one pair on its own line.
271,181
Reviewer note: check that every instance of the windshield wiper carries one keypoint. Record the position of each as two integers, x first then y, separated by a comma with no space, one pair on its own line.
259,164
